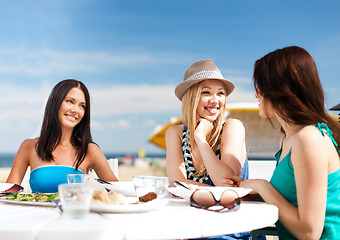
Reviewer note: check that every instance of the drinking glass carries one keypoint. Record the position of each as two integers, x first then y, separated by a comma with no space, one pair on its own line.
75,199
78,178
145,184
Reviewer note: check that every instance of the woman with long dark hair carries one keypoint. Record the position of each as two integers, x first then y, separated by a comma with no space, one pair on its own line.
305,185
65,144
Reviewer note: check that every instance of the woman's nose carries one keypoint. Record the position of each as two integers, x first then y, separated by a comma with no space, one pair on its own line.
73,109
213,98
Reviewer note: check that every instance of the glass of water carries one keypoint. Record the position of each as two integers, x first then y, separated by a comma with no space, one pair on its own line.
146,184
75,199
78,178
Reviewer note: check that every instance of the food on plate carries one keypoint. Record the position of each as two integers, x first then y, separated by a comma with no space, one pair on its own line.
148,197
33,197
193,187
111,197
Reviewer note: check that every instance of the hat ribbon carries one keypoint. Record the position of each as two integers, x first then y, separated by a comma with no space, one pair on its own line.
205,74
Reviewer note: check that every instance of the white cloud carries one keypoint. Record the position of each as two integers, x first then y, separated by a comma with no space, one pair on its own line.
48,61
117,100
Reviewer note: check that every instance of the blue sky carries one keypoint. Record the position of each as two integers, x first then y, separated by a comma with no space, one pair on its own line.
131,55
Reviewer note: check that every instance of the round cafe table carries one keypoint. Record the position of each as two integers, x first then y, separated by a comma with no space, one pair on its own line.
174,219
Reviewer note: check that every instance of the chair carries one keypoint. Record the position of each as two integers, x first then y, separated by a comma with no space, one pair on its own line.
113,163
25,181
271,231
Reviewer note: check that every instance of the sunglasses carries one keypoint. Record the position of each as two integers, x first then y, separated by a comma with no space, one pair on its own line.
15,188
203,198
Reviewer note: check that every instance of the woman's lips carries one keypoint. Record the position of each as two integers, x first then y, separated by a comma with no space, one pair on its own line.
212,110
71,117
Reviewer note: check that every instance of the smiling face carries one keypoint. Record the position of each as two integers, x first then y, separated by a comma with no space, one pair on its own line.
72,108
212,100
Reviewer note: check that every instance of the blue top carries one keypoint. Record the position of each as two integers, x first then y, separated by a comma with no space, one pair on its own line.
189,166
47,178
283,180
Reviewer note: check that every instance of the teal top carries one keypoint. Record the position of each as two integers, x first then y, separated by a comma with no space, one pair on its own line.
284,181
47,178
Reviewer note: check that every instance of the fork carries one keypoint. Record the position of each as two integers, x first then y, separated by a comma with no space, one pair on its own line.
58,205
102,181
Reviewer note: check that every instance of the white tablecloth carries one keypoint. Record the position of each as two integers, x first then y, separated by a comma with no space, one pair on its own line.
174,220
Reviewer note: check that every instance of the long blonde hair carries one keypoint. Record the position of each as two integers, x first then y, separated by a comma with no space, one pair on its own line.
190,103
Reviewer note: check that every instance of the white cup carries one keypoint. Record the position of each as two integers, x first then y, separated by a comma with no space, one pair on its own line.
75,199
78,178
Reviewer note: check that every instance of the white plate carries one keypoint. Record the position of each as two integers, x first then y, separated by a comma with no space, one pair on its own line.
132,206
126,188
30,203
217,191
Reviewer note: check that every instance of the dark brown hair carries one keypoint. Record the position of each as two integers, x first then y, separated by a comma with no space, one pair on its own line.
50,133
288,78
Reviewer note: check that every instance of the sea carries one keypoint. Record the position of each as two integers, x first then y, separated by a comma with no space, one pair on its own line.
6,160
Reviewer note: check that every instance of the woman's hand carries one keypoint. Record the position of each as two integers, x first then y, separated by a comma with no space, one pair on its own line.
255,184
232,181
203,128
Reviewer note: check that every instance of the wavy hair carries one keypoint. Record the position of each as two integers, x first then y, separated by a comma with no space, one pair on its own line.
50,133
288,78
190,103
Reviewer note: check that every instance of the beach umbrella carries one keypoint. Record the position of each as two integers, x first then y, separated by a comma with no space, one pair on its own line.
158,134
336,108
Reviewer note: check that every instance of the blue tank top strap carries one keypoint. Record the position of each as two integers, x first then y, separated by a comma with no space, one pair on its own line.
323,128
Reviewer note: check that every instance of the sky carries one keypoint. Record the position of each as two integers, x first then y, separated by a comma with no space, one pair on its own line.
132,53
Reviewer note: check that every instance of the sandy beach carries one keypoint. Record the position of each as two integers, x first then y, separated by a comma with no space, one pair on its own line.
258,169
4,172
126,170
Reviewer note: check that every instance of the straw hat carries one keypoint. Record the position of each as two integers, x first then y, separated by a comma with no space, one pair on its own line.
200,71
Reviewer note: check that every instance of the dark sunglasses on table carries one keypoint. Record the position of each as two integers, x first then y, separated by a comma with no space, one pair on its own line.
15,188
203,198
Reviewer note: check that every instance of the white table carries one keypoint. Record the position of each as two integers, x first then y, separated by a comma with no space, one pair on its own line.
175,220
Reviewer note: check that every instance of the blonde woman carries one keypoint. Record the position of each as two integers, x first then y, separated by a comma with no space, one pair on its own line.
205,148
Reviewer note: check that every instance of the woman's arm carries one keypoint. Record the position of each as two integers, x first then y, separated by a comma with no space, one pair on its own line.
175,167
309,157
99,163
21,162
233,152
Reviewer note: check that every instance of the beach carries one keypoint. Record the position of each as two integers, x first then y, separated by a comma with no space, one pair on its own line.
4,172
258,169
126,170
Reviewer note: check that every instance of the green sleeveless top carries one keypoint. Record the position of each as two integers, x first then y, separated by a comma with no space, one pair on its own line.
284,181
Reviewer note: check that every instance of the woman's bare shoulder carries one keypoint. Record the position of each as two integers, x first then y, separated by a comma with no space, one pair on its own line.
175,129
29,143
93,148
233,126
233,122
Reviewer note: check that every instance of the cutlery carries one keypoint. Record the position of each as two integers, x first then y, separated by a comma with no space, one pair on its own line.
58,205
182,184
102,181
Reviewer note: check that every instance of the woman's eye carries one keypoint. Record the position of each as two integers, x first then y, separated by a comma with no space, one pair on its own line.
68,101
83,107
221,93
205,92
